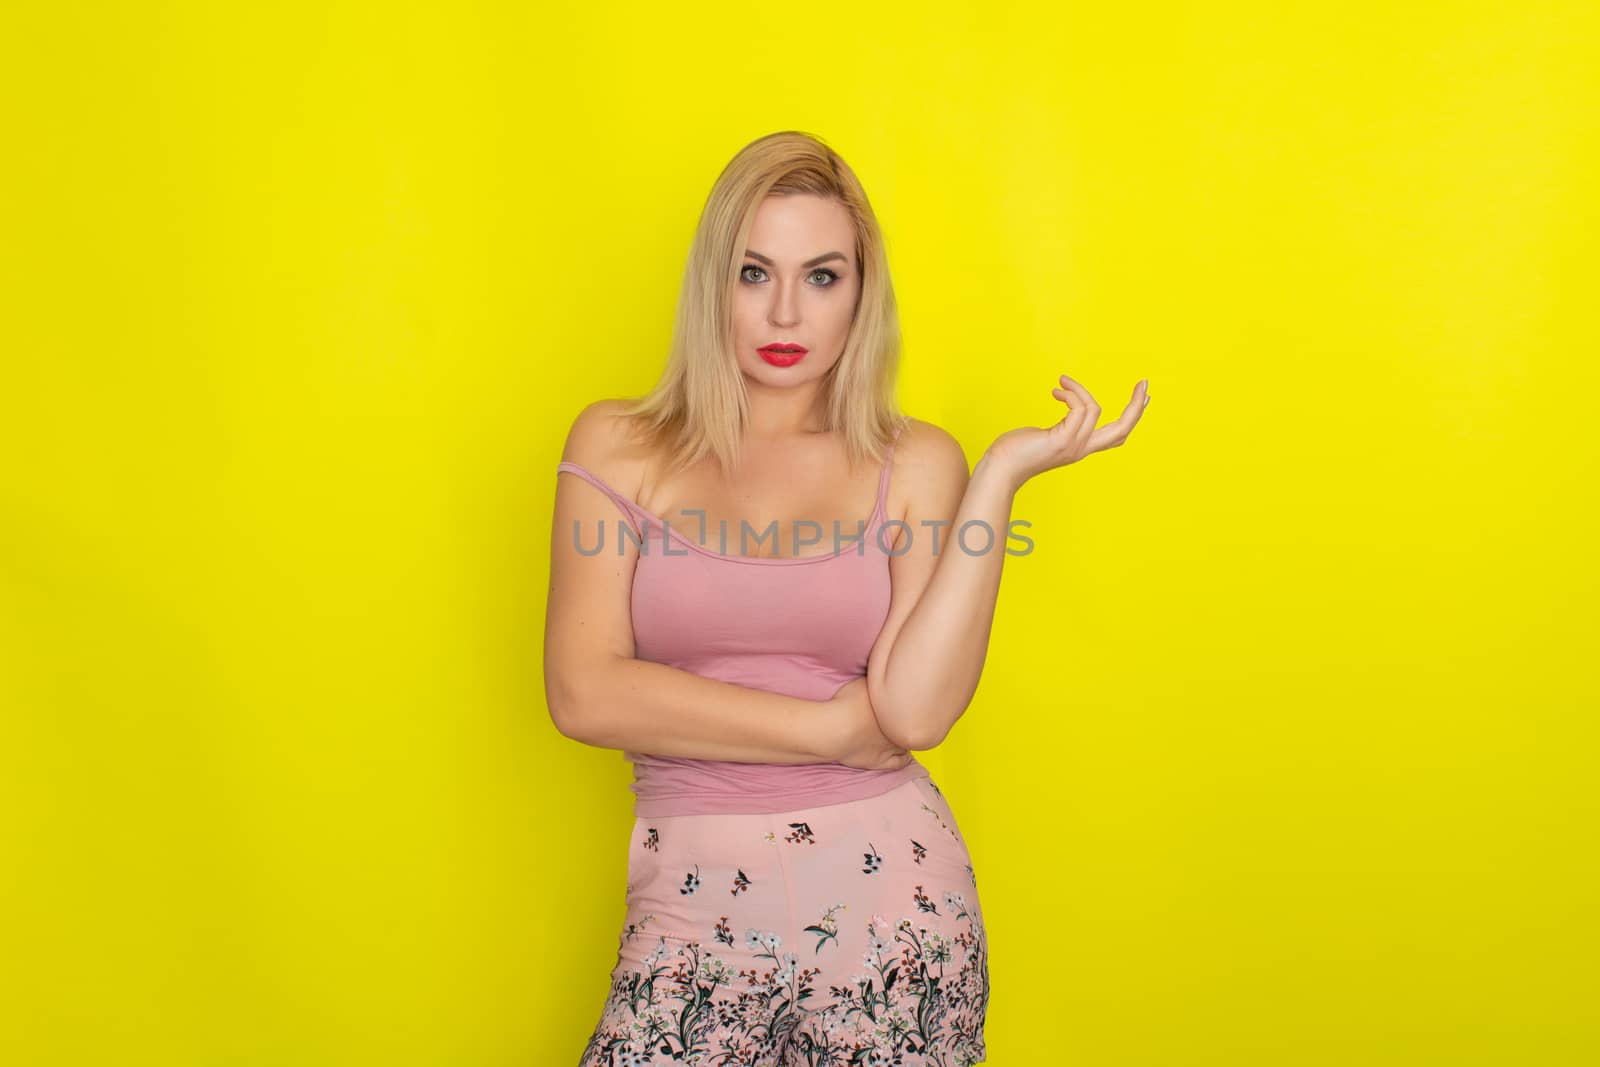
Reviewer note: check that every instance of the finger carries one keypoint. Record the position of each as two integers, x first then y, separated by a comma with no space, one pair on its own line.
1076,399
1083,394
1080,436
1070,427
1115,432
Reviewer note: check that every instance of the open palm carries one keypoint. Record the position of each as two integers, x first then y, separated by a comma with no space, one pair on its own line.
1030,450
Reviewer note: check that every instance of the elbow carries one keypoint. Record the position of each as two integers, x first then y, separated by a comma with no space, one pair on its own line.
906,723
568,700
580,694
922,740
910,733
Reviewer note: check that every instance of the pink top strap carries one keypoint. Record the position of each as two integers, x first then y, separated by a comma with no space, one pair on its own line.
629,508
883,480
800,626
632,510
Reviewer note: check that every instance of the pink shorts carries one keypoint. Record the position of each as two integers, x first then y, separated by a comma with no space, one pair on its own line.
843,934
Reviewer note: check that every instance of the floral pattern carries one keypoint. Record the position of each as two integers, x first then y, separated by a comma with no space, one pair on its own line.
682,1001
917,992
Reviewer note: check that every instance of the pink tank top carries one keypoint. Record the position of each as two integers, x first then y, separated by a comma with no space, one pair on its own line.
798,626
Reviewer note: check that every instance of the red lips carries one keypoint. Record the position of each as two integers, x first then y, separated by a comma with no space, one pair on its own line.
781,354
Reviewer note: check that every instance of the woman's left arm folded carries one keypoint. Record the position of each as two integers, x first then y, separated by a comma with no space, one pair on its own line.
925,665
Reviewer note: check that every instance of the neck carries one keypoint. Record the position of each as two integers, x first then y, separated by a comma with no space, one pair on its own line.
779,413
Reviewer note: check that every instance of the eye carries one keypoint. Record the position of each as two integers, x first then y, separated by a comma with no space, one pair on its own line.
824,271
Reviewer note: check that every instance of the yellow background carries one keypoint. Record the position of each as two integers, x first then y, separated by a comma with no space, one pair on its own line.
1285,749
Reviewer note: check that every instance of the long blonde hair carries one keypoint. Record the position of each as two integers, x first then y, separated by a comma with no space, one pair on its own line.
699,405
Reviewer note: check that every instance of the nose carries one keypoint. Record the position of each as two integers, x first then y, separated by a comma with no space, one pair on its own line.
784,313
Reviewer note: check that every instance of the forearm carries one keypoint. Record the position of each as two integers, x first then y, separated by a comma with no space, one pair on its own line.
936,660
642,706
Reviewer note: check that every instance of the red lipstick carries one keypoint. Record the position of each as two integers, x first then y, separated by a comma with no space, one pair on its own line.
781,354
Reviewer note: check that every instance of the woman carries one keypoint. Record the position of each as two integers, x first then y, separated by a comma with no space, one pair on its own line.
798,889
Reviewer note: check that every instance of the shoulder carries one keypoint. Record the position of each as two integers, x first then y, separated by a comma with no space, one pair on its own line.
930,467
926,450
597,439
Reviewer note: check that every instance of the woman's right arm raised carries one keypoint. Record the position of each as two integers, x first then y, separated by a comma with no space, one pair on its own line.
599,693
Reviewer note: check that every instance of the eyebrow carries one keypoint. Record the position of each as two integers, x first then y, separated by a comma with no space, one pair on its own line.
808,263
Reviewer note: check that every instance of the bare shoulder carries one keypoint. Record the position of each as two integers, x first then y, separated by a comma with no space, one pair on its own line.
930,467
598,440
927,451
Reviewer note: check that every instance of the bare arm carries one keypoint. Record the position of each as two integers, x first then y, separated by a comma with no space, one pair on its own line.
601,694
929,656
634,704
926,663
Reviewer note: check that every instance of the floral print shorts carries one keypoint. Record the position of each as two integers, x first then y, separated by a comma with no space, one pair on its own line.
843,934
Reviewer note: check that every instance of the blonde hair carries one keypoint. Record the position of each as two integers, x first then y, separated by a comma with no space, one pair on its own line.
699,405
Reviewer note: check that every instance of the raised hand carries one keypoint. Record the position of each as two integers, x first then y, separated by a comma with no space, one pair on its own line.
1029,450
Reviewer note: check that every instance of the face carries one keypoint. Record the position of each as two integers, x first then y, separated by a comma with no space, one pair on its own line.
797,287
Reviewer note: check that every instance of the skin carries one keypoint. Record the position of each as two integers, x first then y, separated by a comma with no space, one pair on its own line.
927,660
798,285
785,301
925,666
